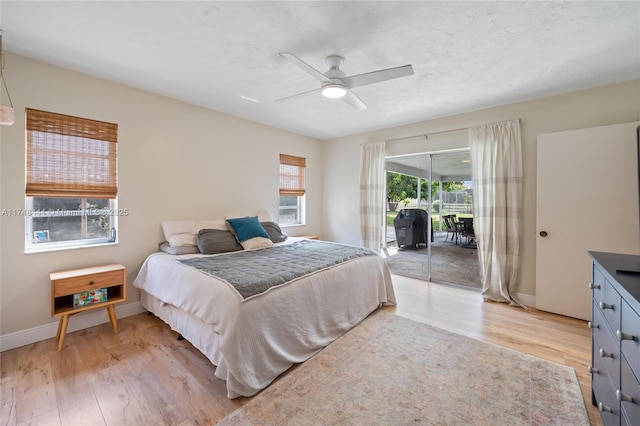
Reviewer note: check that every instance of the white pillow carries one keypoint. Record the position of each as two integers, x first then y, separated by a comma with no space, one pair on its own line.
256,243
177,240
185,232
165,247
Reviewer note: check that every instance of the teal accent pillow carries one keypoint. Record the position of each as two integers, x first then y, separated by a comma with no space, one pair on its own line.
246,228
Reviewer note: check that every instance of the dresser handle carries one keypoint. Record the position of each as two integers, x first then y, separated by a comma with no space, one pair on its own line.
593,370
592,325
604,408
593,286
91,283
605,354
623,397
624,336
604,306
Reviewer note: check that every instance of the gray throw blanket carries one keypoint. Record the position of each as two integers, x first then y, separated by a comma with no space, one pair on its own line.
256,271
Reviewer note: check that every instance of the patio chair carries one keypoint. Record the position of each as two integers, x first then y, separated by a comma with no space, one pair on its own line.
451,227
468,232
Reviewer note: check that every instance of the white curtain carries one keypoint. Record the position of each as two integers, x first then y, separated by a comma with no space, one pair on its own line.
496,157
372,195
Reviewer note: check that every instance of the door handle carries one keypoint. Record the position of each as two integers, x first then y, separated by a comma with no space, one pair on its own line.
543,234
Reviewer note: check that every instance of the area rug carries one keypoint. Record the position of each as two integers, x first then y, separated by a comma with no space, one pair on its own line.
390,370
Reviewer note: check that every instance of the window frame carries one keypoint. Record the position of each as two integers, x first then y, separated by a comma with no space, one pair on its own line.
292,184
300,209
32,247
70,157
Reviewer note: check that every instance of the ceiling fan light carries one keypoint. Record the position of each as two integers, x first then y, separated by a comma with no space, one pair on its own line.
334,91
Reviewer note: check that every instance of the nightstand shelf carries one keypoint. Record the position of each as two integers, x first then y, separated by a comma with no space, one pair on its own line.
65,284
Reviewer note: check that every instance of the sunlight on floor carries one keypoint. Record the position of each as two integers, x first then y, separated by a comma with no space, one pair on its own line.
454,308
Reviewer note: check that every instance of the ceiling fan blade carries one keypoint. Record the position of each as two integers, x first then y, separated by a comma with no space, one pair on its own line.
299,94
354,101
304,66
377,76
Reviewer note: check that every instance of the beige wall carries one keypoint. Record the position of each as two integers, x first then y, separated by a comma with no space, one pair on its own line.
619,103
176,161
181,161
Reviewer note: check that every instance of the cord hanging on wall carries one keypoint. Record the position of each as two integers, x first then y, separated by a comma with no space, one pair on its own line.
7,113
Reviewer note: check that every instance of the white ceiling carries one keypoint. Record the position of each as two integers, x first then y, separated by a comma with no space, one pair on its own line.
451,166
466,55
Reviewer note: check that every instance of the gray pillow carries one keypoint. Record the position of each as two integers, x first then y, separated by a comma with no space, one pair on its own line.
165,247
214,241
275,233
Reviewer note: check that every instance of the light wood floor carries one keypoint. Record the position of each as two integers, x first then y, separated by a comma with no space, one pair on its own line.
144,376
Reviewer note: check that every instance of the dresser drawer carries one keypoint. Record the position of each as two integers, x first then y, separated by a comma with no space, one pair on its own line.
72,285
605,394
607,299
629,389
598,284
606,353
599,327
630,327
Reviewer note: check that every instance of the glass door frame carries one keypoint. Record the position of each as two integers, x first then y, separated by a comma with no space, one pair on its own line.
418,192
428,156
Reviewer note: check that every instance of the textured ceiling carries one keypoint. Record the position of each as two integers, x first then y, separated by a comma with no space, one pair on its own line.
466,55
447,166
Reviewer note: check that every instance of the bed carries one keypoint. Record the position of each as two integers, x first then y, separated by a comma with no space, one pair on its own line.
253,338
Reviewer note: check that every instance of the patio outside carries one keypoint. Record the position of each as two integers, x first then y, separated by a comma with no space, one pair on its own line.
451,262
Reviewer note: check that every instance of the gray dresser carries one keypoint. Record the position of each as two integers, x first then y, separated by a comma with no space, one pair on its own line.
615,331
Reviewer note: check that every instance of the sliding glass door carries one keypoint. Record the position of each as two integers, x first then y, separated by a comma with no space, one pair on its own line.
453,256
408,225
429,200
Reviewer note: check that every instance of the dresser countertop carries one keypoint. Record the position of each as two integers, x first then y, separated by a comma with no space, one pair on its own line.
623,269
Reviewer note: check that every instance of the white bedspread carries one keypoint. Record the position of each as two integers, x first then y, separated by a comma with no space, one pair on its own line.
262,337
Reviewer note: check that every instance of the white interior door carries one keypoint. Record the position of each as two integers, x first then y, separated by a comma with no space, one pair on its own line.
587,200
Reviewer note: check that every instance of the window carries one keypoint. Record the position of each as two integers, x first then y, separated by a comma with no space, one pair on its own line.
71,181
292,190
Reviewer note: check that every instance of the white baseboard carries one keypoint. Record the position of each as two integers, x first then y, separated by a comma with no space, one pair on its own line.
99,316
78,322
527,299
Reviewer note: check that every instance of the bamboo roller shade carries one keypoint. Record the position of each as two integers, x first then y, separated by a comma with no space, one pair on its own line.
70,156
292,175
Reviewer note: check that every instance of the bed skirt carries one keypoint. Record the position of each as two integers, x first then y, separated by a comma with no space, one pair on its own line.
199,334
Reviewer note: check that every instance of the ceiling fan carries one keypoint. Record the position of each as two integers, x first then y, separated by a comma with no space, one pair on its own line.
336,84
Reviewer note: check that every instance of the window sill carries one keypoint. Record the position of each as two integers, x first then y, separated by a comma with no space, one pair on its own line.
295,225
53,249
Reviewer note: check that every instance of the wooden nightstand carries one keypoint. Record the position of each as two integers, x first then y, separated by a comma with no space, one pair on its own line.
65,284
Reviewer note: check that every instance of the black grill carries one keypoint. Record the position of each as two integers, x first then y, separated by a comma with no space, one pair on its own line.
411,227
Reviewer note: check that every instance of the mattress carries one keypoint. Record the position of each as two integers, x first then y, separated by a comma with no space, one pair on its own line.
253,341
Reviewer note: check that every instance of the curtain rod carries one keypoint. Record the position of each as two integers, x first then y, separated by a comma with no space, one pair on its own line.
426,135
